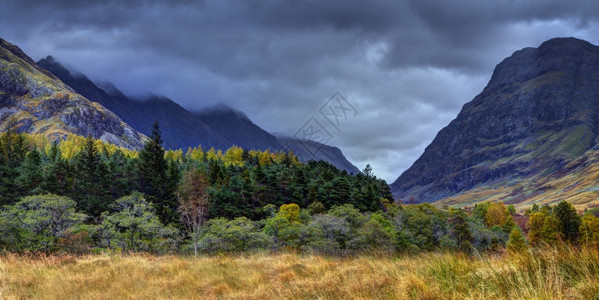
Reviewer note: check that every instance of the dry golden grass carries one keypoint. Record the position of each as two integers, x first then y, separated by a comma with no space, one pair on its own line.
548,274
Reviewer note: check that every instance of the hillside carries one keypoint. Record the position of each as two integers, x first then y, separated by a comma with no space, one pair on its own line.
529,136
35,101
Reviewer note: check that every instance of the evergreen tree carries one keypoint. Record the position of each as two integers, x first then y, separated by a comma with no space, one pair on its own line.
368,171
58,175
461,231
152,171
91,184
31,178
13,150
568,219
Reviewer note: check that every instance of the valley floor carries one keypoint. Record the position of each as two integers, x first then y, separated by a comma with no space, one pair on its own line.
547,274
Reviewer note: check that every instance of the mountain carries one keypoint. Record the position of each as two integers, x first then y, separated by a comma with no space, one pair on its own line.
237,128
220,126
180,128
526,137
35,101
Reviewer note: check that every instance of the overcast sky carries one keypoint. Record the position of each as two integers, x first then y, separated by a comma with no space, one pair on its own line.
407,67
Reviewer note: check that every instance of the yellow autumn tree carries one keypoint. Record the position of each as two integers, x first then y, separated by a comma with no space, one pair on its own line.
497,214
535,228
291,212
589,230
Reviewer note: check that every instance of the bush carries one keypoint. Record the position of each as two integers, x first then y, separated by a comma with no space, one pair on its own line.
37,223
240,234
132,225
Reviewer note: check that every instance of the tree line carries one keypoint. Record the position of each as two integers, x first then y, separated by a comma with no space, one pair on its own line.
81,195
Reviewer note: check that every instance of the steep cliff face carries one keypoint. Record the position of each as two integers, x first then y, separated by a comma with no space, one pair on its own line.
38,102
539,111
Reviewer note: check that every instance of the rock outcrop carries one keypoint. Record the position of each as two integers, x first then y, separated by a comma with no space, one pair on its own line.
35,101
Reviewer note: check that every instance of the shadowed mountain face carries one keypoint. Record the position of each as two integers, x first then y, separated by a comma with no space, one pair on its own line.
539,111
237,128
220,127
35,101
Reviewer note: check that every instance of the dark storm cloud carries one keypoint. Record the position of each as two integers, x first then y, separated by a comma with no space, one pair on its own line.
407,66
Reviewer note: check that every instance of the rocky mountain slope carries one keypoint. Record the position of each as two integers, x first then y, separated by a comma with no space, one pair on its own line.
536,121
35,101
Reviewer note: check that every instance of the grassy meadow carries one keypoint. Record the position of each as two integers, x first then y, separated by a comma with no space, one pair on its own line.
540,274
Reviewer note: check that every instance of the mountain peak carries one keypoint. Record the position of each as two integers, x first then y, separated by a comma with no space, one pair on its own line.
571,57
16,51
538,112
223,109
566,44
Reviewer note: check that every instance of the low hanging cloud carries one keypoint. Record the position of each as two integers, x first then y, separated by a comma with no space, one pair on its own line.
406,66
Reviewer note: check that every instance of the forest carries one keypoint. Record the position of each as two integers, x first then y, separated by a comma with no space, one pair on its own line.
81,195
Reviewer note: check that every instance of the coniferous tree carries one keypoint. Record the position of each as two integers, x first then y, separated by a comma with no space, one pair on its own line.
569,220
13,150
91,185
58,175
461,231
152,171
31,179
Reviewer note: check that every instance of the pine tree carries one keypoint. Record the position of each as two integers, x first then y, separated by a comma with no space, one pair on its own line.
368,171
569,220
13,150
461,231
31,178
58,175
91,186
152,171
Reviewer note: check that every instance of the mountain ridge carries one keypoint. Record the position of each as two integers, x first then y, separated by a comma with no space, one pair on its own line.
36,101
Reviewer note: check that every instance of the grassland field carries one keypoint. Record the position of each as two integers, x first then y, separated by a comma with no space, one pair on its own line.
565,273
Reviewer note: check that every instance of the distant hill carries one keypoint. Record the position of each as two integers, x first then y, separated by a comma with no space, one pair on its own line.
536,122
35,101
